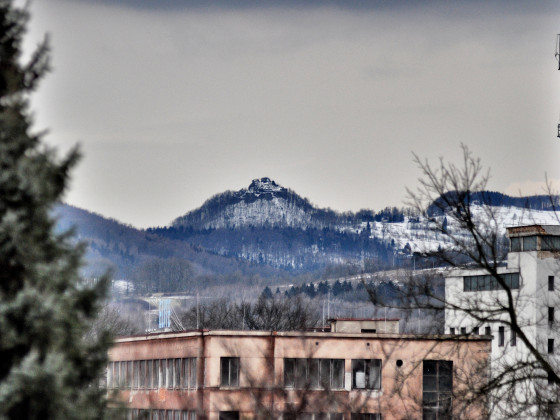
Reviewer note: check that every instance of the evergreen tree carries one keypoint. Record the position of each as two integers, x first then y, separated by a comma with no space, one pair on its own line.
267,293
48,370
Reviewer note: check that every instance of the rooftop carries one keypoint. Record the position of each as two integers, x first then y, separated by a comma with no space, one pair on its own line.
301,334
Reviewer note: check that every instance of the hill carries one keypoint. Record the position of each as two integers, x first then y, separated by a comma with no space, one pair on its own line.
269,231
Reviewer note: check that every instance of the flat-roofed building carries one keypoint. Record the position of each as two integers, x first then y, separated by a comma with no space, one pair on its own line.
225,375
533,291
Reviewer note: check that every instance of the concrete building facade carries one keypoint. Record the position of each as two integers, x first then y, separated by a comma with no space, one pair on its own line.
532,275
230,375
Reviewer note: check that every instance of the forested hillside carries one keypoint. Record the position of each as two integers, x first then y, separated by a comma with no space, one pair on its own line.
266,232
127,250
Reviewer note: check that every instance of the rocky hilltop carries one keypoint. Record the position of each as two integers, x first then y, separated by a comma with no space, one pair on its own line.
263,204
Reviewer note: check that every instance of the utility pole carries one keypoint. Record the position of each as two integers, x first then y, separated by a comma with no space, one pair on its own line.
557,55
329,304
197,310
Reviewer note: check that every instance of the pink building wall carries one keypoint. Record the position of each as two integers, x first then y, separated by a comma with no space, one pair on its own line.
261,392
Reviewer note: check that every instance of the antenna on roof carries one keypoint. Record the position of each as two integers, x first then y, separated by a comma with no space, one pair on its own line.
557,55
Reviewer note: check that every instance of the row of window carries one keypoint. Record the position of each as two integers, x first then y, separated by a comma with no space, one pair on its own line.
529,243
299,373
153,374
234,415
314,373
139,414
437,386
488,282
488,331
502,336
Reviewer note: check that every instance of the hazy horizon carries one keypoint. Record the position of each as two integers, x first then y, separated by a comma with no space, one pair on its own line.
173,102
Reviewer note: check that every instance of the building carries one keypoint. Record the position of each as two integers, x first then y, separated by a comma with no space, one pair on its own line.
226,375
531,274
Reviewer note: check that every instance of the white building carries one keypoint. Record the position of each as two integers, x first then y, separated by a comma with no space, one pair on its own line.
532,274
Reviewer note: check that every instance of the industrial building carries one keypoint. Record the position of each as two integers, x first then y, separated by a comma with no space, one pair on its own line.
532,289
360,370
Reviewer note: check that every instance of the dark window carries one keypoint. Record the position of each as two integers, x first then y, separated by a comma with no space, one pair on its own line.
530,243
229,415
463,330
550,345
515,244
488,282
314,373
487,331
452,331
155,374
366,374
551,283
365,416
501,336
550,243
162,373
369,330
437,388
230,372
513,340
129,374
475,330
551,315
550,378
149,368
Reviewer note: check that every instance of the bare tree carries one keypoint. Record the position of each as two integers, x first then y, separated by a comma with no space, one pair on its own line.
272,314
524,377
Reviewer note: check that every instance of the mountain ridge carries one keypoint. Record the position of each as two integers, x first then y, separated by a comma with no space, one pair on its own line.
269,229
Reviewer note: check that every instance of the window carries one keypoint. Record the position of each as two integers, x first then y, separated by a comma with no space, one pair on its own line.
129,374
513,339
551,283
136,376
229,415
551,346
515,244
230,373
170,373
188,373
501,336
110,367
142,414
149,368
366,374
162,373
155,374
550,315
365,416
463,330
530,243
452,331
487,331
488,282
475,330
437,388
550,378
550,243
314,373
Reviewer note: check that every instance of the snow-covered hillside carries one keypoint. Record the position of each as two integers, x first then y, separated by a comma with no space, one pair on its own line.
268,224
420,234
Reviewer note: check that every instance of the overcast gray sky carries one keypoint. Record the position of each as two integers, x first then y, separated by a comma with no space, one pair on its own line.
175,101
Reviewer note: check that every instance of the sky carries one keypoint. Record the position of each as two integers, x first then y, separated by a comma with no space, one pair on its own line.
172,102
